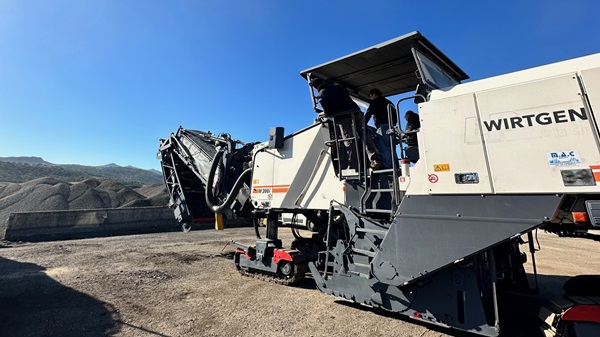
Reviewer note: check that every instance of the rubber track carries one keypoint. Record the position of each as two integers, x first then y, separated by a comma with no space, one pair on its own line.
298,276
273,279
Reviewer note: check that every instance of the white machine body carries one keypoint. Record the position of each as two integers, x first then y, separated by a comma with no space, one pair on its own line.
532,131
300,175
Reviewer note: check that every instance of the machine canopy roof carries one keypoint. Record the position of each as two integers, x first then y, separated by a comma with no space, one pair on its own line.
392,67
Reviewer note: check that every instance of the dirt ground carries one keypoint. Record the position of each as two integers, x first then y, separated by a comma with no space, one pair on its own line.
184,284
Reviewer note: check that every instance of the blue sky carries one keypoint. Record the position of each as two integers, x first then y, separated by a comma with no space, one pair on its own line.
98,82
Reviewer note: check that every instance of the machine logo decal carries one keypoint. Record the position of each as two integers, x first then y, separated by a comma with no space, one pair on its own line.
441,167
261,190
433,178
563,158
543,118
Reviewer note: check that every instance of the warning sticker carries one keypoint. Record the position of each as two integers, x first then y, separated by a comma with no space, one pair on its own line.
441,167
433,178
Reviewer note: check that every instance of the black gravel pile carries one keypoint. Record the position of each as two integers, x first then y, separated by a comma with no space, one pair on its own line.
49,194
155,194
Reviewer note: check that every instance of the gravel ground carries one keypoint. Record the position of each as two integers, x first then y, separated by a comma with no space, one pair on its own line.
185,284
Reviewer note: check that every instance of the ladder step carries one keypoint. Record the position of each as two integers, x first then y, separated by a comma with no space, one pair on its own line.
350,172
363,252
379,211
382,190
352,272
383,171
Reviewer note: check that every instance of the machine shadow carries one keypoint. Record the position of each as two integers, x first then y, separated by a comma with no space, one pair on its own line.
518,313
407,319
586,236
590,236
33,304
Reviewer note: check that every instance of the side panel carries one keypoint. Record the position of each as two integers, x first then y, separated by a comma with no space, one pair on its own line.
535,130
431,232
313,180
451,144
591,82
298,176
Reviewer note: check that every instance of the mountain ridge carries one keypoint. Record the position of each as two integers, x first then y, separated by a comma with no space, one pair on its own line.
22,169
26,160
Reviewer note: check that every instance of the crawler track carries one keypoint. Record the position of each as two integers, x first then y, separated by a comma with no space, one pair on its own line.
297,275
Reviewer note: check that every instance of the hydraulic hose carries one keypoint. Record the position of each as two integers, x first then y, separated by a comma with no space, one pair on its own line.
208,195
210,202
239,183
255,224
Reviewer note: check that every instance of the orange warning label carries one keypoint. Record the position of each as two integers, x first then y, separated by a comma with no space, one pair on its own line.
441,167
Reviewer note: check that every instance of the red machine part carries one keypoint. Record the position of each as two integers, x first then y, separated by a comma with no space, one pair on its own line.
279,255
582,313
247,254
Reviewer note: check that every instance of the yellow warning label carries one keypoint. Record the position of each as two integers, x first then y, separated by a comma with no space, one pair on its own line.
441,167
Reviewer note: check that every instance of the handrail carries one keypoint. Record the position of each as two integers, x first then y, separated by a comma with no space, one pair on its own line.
390,132
398,129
